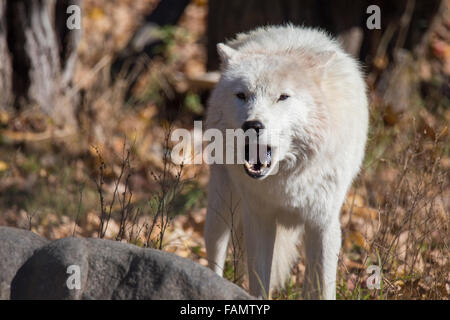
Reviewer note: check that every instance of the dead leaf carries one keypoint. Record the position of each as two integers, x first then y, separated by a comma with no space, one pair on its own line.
3,166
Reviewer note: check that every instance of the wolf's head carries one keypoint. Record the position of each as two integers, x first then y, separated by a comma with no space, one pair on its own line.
279,96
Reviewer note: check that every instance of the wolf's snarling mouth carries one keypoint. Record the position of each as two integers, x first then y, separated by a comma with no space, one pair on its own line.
257,163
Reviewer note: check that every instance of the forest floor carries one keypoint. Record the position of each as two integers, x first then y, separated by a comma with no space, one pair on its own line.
111,178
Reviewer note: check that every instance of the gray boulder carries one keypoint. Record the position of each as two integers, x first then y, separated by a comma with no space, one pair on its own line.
113,270
16,246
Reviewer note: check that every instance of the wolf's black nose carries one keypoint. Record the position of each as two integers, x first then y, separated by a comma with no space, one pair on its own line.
254,124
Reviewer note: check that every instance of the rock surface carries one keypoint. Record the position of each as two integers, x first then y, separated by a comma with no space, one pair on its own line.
78,268
16,246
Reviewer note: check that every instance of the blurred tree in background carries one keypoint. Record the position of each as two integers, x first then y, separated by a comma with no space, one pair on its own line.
407,21
37,53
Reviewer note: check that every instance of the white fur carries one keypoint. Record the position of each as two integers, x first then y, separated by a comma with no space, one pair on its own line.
321,131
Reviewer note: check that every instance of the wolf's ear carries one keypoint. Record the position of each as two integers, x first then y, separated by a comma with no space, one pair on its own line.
226,53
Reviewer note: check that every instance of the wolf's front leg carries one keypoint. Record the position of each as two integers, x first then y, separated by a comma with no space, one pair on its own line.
221,210
260,233
322,245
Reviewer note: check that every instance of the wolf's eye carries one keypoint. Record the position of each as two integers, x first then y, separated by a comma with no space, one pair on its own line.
283,97
240,96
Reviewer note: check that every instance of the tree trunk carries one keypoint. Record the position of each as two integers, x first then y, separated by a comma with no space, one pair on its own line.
37,53
345,19
5,61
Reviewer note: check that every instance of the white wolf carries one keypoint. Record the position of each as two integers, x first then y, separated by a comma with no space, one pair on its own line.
300,86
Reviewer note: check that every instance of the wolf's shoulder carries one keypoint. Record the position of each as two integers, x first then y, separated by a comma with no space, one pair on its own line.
284,38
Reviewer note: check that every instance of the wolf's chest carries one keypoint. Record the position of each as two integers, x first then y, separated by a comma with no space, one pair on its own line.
296,193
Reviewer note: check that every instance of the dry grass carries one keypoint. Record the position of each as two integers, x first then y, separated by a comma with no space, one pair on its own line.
406,232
